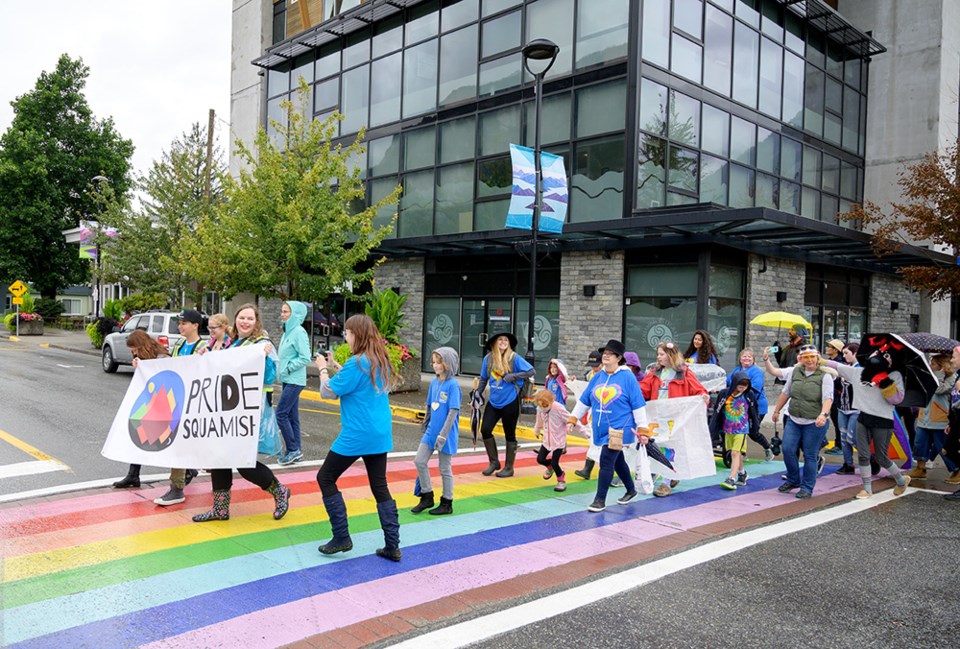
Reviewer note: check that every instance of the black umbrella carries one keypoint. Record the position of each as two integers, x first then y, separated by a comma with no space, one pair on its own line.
919,381
656,454
476,407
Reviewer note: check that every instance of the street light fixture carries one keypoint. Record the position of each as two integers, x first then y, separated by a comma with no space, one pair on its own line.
96,262
545,53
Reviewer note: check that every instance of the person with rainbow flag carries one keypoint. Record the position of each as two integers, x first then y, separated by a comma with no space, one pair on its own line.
879,389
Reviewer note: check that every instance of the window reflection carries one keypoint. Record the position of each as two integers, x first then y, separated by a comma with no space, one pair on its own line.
597,184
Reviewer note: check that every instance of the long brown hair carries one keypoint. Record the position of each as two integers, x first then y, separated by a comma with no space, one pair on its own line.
706,349
257,326
144,347
368,342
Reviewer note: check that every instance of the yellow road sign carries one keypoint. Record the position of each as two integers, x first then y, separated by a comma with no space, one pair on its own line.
18,300
18,288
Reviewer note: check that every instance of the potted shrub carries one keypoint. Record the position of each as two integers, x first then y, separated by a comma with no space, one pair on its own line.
385,308
30,322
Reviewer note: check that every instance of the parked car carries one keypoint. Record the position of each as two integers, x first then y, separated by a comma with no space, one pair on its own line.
161,325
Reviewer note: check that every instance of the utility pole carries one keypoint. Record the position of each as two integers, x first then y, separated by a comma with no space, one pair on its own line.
206,184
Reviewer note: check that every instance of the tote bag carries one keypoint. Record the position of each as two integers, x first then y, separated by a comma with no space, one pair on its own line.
271,442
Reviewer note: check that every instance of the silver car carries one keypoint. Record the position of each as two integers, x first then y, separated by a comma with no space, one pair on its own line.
161,325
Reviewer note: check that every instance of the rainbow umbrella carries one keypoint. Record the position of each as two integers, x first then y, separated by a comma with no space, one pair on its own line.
900,443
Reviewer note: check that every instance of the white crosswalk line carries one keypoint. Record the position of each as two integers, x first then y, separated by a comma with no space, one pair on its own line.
34,467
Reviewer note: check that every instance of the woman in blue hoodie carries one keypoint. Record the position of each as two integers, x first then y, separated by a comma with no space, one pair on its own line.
294,354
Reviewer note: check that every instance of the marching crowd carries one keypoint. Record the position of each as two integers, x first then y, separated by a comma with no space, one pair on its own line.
610,411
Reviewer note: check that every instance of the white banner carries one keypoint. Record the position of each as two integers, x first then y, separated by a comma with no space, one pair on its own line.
197,411
682,428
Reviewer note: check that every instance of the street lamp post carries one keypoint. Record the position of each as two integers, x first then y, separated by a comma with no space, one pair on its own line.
96,262
545,52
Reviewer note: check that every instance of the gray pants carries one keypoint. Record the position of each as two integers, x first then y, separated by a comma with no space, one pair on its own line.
423,472
881,445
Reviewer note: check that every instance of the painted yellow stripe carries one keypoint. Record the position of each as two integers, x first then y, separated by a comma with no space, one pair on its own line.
26,448
44,563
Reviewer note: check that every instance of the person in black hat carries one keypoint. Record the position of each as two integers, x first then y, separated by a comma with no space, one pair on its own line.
619,418
504,371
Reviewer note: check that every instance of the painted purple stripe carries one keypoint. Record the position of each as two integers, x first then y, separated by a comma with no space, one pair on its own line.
154,624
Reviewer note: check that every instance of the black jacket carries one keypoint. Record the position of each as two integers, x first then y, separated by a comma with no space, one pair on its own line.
753,411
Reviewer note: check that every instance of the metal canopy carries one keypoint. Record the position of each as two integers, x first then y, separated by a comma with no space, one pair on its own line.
824,18
758,230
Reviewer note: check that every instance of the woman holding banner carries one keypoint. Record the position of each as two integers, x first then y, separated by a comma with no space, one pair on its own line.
248,330
362,385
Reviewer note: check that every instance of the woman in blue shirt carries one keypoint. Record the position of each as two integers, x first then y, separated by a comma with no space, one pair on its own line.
701,349
504,371
362,385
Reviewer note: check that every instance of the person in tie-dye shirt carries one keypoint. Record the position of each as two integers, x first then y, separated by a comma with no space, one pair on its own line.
735,414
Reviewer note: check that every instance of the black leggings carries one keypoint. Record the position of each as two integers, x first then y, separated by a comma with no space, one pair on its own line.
335,464
260,475
554,460
509,415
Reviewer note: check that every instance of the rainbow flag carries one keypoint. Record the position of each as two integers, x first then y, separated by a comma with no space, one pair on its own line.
900,443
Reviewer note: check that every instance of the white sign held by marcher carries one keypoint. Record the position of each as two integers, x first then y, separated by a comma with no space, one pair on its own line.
191,411
682,427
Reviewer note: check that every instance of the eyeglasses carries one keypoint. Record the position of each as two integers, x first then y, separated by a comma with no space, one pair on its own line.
214,327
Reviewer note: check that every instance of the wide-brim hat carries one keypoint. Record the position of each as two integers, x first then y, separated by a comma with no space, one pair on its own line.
616,347
513,340
836,343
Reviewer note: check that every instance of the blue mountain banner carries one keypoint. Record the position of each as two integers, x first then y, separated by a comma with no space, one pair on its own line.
520,212
555,196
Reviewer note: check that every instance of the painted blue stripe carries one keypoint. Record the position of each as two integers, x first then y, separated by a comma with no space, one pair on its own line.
188,613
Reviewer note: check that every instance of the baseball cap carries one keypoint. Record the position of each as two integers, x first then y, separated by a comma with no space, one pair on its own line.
191,315
593,360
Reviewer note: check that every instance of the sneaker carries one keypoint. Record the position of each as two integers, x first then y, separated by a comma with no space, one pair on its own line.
954,478
172,497
846,469
954,496
820,461
836,450
674,483
768,454
616,482
900,488
863,495
729,484
741,478
548,474
597,506
627,497
561,484
804,494
663,490
786,486
290,457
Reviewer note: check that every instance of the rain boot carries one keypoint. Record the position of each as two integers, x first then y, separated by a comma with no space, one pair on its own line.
132,478
491,444
220,511
426,502
919,472
390,522
337,511
445,507
281,498
587,469
508,465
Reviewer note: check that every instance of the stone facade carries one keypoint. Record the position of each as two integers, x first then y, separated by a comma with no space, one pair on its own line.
885,290
762,288
407,275
588,322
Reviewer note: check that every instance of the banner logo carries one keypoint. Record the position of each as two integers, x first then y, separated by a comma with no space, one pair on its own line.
155,416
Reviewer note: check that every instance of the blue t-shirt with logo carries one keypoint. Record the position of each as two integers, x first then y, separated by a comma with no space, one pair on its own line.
502,393
442,397
612,398
365,418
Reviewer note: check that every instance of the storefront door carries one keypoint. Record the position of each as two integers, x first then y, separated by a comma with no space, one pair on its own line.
481,318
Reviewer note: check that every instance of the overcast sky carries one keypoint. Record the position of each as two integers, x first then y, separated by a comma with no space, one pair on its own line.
155,67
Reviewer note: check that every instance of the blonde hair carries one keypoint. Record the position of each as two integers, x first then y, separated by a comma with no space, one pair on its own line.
501,361
944,361
746,350
437,358
673,353
218,319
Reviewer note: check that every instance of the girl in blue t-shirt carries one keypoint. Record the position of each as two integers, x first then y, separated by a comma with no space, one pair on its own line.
440,431
362,385
701,349
504,371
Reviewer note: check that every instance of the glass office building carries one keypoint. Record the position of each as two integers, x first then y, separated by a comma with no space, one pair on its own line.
707,143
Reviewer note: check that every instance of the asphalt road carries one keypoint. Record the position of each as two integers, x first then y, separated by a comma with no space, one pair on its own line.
61,403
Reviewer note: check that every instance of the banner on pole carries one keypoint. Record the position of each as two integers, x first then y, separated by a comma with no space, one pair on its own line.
191,411
524,196
88,232
682,430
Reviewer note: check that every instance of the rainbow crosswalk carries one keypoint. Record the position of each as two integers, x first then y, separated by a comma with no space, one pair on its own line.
111,569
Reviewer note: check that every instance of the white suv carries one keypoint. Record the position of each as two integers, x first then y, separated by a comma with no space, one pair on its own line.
161,325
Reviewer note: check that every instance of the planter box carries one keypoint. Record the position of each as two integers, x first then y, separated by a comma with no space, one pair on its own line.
33,328
409,375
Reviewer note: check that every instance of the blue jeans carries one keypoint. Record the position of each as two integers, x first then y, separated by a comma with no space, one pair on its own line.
927,445
611,461
288,416
807,438
848,434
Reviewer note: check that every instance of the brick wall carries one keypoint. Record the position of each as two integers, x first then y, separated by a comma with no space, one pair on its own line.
407,275
885,289
588,322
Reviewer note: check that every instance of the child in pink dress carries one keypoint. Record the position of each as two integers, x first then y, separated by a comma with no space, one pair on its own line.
551,424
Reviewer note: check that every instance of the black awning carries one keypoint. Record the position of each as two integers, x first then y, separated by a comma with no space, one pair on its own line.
758,230
824,18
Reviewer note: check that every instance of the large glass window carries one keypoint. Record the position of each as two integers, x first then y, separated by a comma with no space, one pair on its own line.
357,49
793,90
743,141
554,120
768,150
688,17
653,107
713,180
457,139
383,155
651,172
456,13
553,19
716,130
458,66
419,148
424,22
356,99
498,129
771,82
687,58
328,63
491,215
385,90
831,174
684,169
454,211
656,32
441,324
327,94
661,307
813,101
501,34
500,74
768,191
491,7
718,50
387,36
597,185
851,116
420,79
725,312
377,190
741,186
791,159
494,177
599,108
746,54
811,167
601,31
684,119
416,204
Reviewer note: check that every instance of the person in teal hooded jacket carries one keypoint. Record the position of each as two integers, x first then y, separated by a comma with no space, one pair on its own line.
294,354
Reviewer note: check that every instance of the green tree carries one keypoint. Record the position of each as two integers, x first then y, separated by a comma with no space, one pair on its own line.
929,213
290,225
48,156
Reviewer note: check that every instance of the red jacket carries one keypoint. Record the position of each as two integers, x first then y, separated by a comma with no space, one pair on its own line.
684,384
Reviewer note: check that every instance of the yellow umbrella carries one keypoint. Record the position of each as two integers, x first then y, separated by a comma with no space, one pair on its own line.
780,320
